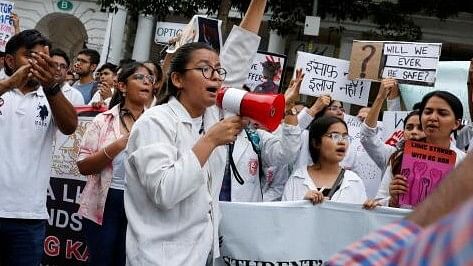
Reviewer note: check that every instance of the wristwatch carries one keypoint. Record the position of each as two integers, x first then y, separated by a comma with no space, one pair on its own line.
53,90
291,111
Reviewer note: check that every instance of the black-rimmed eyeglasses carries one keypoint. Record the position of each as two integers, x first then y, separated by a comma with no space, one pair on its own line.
208,72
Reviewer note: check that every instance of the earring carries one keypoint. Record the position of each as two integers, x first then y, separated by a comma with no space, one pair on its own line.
124,93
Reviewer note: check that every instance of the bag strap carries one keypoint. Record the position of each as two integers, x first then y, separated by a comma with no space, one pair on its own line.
337,183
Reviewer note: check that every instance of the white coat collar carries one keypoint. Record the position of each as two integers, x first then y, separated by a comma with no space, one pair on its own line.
179,110
302,173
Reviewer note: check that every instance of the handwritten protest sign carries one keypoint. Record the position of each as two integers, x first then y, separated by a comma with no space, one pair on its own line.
167,30
266,72
408,62
358,160
326,75
393,122
6,23
424,165
365,60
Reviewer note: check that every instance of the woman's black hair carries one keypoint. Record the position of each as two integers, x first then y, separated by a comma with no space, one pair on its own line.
409,115
317,130
125,72
178,64
322,113
452,101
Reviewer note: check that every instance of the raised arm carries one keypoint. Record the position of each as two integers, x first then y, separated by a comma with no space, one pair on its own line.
387,85
253,16
242,44
376,149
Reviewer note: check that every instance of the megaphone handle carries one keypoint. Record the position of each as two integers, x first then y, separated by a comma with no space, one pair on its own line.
237,175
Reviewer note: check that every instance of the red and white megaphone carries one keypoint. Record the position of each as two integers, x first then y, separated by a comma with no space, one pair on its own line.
265,109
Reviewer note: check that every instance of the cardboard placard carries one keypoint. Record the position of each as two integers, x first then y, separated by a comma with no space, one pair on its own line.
329,76
266,72
408,62
365,60
424,165
6,23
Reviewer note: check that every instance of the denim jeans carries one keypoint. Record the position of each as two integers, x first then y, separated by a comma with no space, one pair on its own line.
106,242
21,241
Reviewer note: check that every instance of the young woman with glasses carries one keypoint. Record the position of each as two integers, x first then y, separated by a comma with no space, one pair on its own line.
325,178
101,158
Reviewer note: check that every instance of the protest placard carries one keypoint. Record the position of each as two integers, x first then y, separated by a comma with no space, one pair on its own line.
6,23
365,60
326,75
208,31
165,31
266,72
424,165
358,160
393,122
408,62
199,29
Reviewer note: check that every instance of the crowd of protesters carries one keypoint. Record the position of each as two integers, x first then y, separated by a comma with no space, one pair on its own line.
163,155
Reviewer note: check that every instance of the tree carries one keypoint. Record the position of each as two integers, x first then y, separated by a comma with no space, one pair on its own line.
394,19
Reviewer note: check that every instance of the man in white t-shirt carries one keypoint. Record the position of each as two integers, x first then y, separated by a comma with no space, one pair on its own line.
32,107
62,60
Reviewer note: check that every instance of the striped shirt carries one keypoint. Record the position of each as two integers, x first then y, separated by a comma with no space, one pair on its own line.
447,242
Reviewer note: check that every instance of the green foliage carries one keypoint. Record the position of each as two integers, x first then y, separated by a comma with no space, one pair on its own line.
394,18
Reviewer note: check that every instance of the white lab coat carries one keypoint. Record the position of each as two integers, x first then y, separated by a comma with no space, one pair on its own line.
275,150
170,200
352,189
379,151
172,214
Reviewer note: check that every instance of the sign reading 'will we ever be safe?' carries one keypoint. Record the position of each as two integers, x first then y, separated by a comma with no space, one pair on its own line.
408,62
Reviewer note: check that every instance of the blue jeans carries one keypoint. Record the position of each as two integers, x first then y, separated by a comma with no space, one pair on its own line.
106,242
21,241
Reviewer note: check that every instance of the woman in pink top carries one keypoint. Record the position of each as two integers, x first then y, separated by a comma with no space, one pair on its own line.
101,158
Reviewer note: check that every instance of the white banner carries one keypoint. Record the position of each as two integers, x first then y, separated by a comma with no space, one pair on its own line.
294,233
6,23
326,75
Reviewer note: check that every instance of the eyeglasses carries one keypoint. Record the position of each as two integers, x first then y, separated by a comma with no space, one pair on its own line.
337,137
208,72
142,77
336,108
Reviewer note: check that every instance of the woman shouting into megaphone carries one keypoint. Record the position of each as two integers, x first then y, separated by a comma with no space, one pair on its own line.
176,154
